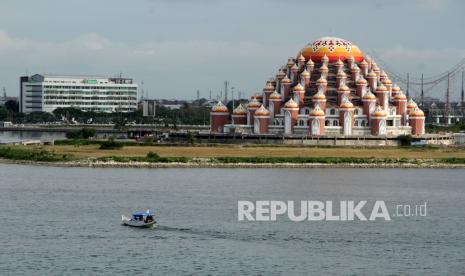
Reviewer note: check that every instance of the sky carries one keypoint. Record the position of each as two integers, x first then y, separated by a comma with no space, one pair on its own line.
172,48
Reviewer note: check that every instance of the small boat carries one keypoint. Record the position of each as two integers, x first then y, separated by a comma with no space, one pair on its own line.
143,219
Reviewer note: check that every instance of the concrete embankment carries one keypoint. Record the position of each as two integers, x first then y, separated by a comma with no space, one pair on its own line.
112,164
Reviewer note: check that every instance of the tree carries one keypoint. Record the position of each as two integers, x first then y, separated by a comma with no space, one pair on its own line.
3,113
12,106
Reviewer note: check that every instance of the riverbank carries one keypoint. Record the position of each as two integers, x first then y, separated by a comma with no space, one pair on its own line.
233,157
219,157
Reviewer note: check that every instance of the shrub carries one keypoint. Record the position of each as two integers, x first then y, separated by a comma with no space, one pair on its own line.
405,140
18,153
84,133
153,156
110,144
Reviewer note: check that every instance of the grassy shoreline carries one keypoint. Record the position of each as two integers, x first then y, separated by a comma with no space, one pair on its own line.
91,156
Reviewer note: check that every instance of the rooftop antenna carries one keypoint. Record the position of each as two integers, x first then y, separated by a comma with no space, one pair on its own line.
210,97
226,83
232,95
447,94
4,93
422,92
463,93
198,95
408,85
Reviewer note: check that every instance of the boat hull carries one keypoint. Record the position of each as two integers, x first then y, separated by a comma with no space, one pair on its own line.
137,223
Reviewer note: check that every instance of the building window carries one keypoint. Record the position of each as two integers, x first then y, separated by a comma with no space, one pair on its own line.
335,123
327,123
332,111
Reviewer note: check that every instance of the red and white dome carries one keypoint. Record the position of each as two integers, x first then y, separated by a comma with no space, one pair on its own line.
334,48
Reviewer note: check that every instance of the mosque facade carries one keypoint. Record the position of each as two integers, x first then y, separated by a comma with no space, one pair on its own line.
329,88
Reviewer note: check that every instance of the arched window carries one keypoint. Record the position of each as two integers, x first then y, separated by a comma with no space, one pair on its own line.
327,123
356,123
356,112
335,123
332,111
301,123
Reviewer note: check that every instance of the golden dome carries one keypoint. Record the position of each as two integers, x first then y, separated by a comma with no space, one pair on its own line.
341,74
290,62
331,49
295,67
269,87
411,104
254,103
339,62
381,88
416,112
286,80
379,112
346,104
319,96
305,74
395,88
323,68
343,89
219,107
310,62
275,96
369,96
317,111
361,81
363,63
321,81
262,111
400,96
240,110
387,81
291,104
383,74
280,74
371,74
299,88
355,68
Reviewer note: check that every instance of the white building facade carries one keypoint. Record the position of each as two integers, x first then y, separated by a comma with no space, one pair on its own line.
88,93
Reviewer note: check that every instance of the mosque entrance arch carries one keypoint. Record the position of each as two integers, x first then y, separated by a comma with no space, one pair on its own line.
287,122
316,127
347,123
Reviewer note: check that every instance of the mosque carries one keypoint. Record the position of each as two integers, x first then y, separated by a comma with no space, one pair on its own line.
329,89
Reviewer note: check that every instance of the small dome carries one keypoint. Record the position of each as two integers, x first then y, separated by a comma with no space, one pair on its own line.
258,96
301,58
280,74
411,104
416,112
240,110
400,96
325,58
305,74
286,80
381,88
371,74
343,89
369,96
319,96
346,104
299,88
275,96
323,68
291,104
341,74
290,62
351,58
339,63
361,81
395,88
363,63
254,103
269,87
321,81
387,81
317,111
379,112
310,62
295,67
219,107
383,74
262,111
355,69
